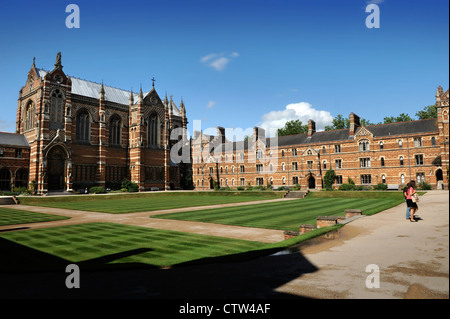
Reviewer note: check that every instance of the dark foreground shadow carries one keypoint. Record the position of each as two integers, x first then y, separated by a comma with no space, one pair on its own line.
248,276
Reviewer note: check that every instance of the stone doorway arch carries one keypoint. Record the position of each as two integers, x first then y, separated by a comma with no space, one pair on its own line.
56,168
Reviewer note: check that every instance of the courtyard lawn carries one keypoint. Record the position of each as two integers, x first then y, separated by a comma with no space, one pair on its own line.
288,215
130,203
9,216
100,245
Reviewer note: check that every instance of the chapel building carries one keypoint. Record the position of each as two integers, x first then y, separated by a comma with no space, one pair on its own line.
73,133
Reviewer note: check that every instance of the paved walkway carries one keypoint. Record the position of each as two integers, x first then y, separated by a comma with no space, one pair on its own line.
143,219
413,258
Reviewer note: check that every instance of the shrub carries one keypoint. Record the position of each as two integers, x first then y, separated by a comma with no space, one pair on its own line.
133,187
240,188
126,183
424,186
329,179
347,187
380,187
281,188
97,190
19,190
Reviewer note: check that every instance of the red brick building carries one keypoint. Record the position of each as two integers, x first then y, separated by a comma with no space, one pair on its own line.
84,133
392,154
14,161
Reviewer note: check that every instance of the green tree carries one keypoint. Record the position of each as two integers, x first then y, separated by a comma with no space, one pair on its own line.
394,119
293,127
428,112
329,178
338,123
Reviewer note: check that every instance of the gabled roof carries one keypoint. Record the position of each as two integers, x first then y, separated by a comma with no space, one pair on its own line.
13,139
91,89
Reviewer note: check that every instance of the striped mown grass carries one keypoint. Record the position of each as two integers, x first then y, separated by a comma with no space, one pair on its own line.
9,216
100,244
129,203
287,215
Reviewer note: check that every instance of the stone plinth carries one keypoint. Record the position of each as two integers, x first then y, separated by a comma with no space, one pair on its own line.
304,228
327,221
352,212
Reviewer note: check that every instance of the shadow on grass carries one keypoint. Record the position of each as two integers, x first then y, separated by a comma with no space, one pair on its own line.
16,258
29,273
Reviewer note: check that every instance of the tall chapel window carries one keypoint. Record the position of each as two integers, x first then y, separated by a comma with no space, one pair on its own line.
114,131
153,130
83,125
29,116
57,106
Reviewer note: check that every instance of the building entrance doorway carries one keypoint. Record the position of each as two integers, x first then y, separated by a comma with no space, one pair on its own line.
56,168
311,182
439,179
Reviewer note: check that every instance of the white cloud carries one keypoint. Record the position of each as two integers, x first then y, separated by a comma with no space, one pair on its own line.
218,61
211,104
302,111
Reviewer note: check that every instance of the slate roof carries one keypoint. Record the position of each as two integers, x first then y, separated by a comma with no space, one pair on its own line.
91,89
13,139
413,127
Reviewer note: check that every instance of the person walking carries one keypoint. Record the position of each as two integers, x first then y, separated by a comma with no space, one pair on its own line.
408,209
409,200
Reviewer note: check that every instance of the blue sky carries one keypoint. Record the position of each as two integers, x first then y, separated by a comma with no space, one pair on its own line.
238,64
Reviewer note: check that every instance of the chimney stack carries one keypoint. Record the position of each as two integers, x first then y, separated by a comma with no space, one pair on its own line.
221,134
354,123
311,128
259,133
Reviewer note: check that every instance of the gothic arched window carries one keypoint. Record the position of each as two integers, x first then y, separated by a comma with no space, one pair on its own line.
153,130
29,116
114,131
57,106
83,126
364,145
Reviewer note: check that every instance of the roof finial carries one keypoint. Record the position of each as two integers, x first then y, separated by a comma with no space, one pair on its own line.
141,95
131,96
58,61
34,61
102,92
153,80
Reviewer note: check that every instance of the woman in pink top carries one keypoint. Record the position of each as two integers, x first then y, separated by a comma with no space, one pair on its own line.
412,205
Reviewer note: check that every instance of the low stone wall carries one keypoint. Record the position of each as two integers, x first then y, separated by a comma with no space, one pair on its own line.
327,221
324,221
304,228
352,212
290,234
